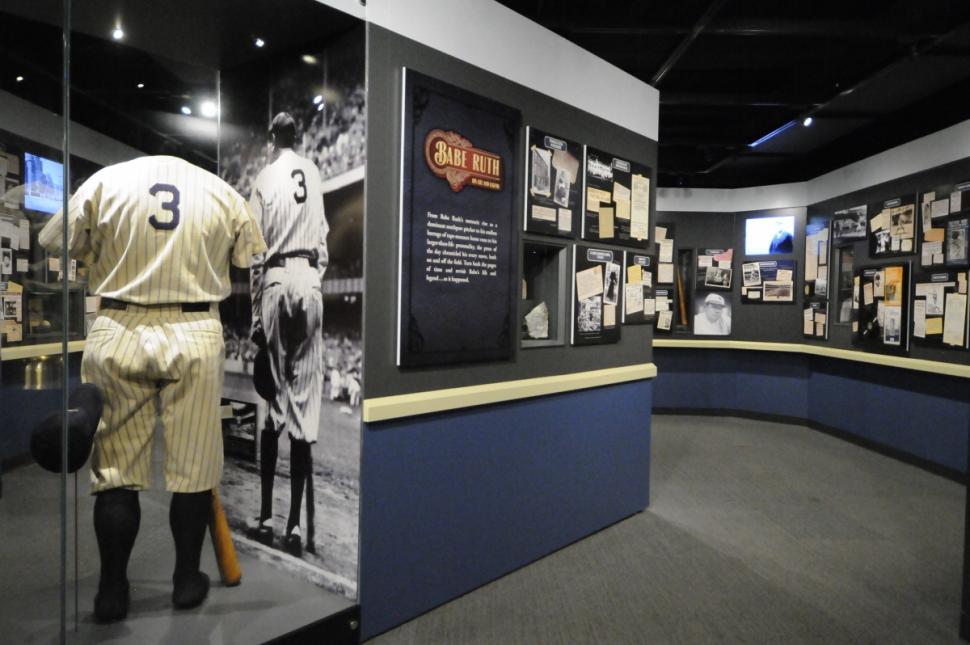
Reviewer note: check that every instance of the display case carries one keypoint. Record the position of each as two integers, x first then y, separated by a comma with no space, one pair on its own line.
95,100
542,307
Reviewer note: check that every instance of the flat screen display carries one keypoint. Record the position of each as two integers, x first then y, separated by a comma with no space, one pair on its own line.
769,235
44,183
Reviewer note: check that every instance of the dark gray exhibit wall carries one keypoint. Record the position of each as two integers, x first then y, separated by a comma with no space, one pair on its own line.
770,322
915,185
387,54
782,322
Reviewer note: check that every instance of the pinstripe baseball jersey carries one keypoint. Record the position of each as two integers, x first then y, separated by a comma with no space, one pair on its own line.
287,201
157,230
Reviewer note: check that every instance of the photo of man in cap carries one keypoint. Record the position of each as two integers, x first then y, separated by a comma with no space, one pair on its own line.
713,316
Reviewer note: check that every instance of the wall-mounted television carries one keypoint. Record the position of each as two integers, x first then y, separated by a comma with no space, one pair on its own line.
43,183
769,235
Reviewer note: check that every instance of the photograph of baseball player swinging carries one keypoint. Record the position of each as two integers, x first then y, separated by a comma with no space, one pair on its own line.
158,235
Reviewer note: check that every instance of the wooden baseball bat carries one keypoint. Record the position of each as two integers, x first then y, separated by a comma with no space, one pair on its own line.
681,297
226,558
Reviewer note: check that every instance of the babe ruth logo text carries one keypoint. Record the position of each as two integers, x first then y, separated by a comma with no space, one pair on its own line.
453,158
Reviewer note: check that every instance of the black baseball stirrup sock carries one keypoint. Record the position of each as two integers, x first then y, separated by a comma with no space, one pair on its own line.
268,451
299,466
117,515
188,516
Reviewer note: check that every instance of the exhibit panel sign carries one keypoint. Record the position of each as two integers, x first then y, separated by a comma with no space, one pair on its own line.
617,193
597,288
552,184
456,293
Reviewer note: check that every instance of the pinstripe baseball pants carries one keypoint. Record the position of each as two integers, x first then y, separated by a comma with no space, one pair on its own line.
150,361
292,316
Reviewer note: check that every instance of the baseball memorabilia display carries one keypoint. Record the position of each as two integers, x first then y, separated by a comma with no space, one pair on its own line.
552,196
597,288
617,194
881,321
892,227
158,235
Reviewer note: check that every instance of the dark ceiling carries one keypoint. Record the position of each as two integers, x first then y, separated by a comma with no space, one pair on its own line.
872,73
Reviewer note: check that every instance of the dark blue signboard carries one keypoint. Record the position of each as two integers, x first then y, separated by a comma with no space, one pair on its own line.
458,237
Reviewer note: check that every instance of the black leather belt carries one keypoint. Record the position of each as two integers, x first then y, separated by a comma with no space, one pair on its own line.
187,307
279,260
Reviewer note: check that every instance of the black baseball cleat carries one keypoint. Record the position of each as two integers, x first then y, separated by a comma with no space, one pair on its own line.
293,543
262,532
111,604
190,589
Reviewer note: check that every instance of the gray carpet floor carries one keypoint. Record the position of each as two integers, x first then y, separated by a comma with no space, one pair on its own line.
756,533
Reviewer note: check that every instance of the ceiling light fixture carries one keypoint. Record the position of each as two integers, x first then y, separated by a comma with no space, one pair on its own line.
772,134
186,110
117,33
320,107
309,59
140,85
808,121
208,109
318,99
259,42
20,79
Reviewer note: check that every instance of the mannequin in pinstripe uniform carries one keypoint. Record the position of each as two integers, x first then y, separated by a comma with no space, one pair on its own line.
158,235
286,282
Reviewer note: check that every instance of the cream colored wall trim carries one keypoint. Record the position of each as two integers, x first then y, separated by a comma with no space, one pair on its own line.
408,405
33,351
903,362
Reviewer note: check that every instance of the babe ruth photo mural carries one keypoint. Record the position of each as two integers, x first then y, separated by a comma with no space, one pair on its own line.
293,145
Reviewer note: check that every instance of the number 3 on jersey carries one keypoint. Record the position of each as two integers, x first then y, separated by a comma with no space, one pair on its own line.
172,206
300,195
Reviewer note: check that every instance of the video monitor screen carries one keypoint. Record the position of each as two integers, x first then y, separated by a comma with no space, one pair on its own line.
43,183
769,235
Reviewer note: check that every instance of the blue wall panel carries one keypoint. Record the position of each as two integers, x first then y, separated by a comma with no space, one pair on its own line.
921,414
451,501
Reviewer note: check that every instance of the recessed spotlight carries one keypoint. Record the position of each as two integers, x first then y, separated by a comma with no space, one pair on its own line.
309,59
140,86
318,99
808,121
208,109
117,33
186,110
320,107
259,42
20,79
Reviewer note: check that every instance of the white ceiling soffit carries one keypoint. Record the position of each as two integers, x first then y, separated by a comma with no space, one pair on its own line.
499,40
943,147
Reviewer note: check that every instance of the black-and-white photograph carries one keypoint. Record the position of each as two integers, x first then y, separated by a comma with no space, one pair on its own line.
563,182
717,277
893,326
11,308
778,291
713,317
590,314
292,483
611,283
878,290
751,272
541,172
849,224
902,221
934,302
883,240
6,261
821,286
956,241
